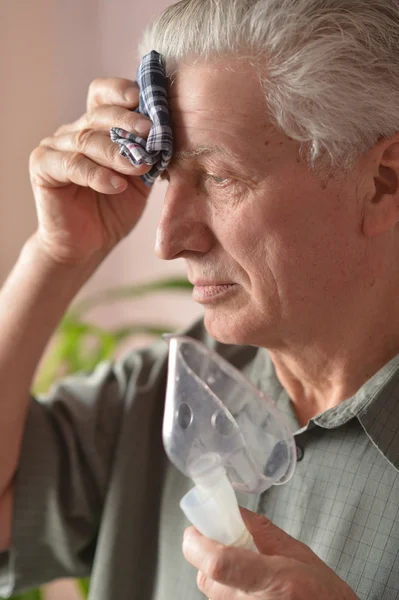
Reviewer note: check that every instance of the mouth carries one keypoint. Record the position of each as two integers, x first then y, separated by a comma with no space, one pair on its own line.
206,293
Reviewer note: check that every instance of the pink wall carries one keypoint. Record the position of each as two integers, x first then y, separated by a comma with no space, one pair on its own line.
50,51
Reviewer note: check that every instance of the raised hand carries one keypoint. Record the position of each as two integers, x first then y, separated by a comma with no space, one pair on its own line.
88,196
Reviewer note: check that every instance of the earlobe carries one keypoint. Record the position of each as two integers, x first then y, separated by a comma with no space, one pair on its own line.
381,211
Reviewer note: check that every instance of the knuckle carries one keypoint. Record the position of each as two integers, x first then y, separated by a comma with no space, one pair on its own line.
111,152
94,83
36,155
265,527
202,581
217,565
71,161
44,142
120,86
36,161
289,587
131,86
60,130
98,90
83,137
128,120
89,118
93,87
261,520
94,173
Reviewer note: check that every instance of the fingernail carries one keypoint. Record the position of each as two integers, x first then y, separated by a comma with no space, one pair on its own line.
143,126
132,94
117,182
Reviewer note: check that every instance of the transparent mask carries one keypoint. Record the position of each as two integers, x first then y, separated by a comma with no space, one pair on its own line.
220,430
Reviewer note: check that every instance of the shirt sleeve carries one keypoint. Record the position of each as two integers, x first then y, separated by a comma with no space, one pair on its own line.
64,469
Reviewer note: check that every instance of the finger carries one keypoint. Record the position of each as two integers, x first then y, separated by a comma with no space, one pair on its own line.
104,117
113,90
217,591
51,168
98,147
235,567
271,540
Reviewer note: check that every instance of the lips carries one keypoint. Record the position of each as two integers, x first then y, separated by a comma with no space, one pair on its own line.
207,292
209,283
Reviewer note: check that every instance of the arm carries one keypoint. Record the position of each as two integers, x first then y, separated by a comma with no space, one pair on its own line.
32,301
85,208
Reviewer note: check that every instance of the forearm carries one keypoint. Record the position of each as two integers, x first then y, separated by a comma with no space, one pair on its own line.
32,302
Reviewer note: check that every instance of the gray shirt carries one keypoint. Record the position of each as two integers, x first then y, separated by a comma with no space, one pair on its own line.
96,495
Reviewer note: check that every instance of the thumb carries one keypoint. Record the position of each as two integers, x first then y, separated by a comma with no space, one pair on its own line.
273,541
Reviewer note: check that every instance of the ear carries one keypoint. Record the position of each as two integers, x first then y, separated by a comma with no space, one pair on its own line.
381,210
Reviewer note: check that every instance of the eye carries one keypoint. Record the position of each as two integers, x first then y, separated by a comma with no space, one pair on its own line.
219,184
219,180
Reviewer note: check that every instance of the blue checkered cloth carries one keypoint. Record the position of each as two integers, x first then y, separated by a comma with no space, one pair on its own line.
157,149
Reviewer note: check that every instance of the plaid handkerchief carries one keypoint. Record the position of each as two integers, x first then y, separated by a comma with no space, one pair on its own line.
157,149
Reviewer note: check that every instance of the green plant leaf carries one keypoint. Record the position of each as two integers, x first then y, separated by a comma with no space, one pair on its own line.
83,585
131,291
70,354
31,595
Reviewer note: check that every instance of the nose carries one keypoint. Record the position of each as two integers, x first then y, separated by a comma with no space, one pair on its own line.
182,228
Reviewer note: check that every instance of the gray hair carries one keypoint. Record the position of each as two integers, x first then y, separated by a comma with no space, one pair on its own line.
329,68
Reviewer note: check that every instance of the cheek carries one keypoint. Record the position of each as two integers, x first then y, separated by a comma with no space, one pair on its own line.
242,241
255,255
285,236
252,236
274,253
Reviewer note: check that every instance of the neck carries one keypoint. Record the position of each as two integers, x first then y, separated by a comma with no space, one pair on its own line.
322,370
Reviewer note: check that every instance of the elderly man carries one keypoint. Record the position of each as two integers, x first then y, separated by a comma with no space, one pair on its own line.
283,199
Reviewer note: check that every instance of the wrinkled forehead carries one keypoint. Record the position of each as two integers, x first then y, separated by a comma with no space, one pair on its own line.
208,94
221,103
207,72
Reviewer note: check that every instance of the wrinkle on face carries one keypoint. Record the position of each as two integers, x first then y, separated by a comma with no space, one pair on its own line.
277,233
226,115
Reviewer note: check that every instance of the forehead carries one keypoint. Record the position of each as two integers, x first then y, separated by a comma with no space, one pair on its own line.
233,81
218,104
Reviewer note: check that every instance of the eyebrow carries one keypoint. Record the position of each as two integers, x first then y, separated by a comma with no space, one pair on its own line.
203,151
246,170
182,155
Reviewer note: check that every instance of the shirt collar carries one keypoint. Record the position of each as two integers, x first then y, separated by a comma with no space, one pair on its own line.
375,405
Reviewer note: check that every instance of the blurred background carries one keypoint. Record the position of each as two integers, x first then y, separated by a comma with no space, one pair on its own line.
50,51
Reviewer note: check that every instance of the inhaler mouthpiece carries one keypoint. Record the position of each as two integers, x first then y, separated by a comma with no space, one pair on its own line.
211,506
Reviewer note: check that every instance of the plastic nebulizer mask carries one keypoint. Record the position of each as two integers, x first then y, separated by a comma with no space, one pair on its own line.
224,434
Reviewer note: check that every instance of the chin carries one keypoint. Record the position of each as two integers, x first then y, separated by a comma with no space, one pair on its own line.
229,327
